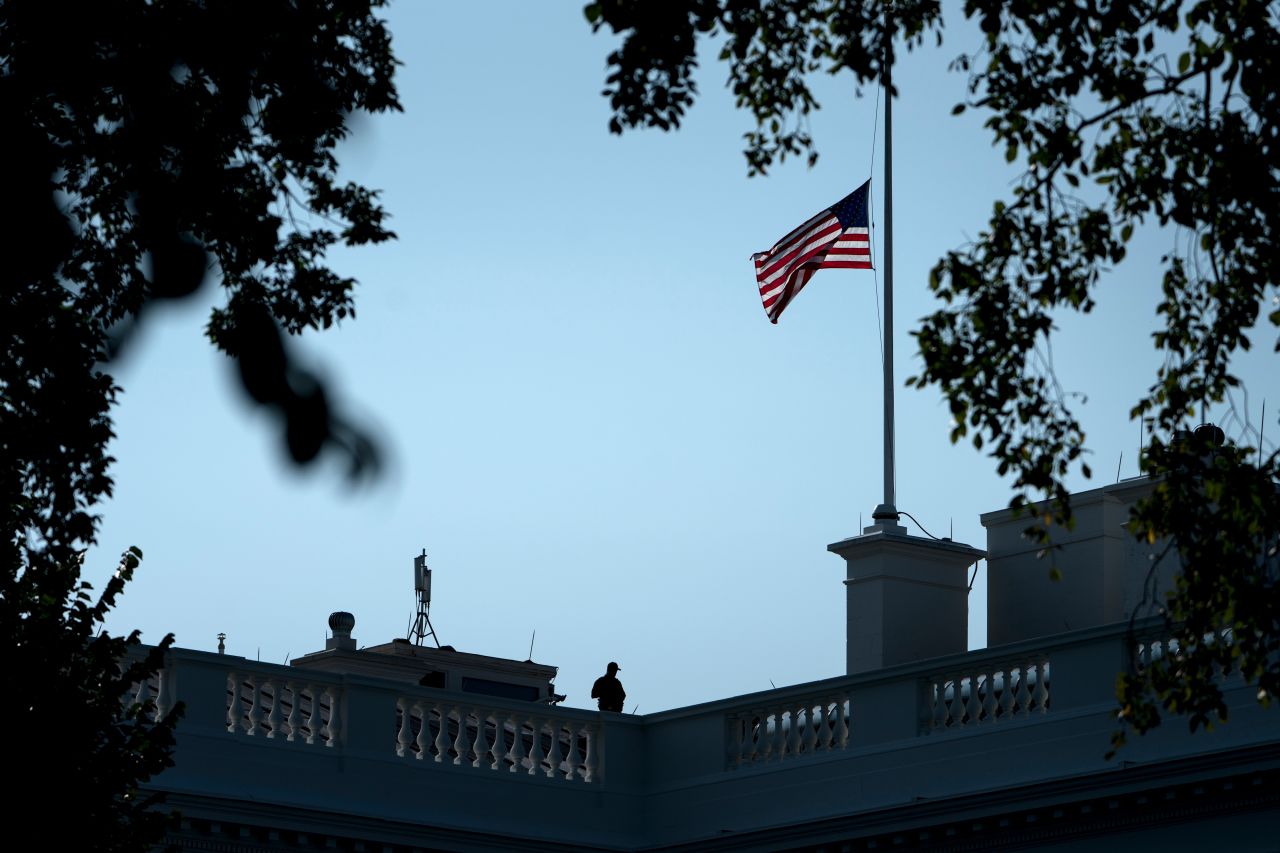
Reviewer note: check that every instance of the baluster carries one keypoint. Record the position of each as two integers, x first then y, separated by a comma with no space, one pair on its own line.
499,750
989,697
255,708
984,697
824,720
573,761
1042,685
334,729
423,740
276,716
535,747
143,693
481,745
974,704
517,743
776,739
760,736
295,711
781,731
1022,698
164,693
460,739
591,767
314,719
404,735
842,723
957,701
810,729
1006,693
938,695
442,736
553,759
233,702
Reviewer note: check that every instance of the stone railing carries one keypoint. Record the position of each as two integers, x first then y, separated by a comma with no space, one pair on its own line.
372,722
342,750
375,718
309,741
529,739
988,691
789,729
1156,643
297,710
158,689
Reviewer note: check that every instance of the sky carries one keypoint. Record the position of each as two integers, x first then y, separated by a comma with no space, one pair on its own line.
587,421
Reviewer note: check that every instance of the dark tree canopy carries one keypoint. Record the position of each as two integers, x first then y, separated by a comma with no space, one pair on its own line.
152,146
1159,112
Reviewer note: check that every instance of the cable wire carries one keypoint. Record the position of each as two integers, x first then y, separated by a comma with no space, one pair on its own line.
918,524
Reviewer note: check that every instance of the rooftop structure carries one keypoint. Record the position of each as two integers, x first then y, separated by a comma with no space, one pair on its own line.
920,744
441,668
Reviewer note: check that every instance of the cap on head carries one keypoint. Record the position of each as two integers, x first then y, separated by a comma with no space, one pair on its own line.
613,667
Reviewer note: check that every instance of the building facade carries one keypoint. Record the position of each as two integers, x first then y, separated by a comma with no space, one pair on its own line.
920,744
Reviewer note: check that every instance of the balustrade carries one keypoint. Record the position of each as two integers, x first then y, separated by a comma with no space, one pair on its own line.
472,733
286,709
1152,649
531,742
800,727
988,693
156,689
1154,646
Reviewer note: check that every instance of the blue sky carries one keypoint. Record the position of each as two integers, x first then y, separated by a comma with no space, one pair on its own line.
588,422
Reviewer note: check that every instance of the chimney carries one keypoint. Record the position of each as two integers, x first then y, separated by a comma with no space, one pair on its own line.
907,597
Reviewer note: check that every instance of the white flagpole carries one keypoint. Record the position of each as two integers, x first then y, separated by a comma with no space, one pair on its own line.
887,513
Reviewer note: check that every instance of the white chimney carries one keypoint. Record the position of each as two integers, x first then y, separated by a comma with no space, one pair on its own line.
907,597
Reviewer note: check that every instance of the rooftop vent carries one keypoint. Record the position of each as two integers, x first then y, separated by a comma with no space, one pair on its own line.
341,622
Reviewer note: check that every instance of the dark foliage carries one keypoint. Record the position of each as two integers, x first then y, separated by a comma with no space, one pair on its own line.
1160,111
152,146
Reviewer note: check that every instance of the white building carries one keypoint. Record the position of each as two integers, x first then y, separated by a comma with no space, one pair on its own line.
919,745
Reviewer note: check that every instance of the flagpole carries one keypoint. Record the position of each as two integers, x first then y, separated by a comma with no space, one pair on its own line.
887,513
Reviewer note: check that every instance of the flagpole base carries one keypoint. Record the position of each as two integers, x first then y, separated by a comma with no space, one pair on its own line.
886,518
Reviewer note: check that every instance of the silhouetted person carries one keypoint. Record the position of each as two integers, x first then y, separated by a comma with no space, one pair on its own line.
608,689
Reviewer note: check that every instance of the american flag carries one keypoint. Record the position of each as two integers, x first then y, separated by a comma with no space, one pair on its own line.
837,238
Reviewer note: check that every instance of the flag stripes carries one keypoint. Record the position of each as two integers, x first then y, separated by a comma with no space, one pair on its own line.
837,238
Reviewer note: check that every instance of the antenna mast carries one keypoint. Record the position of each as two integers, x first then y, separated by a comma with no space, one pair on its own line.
421,628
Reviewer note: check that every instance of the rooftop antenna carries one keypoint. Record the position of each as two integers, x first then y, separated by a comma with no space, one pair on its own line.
421,627
531,639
